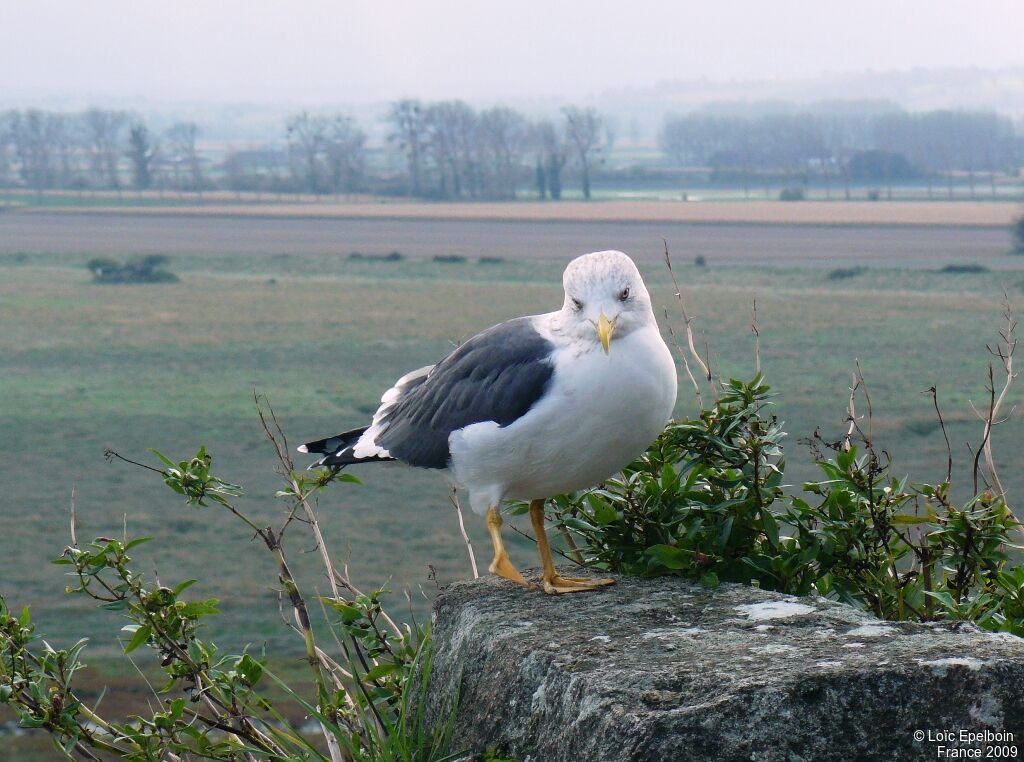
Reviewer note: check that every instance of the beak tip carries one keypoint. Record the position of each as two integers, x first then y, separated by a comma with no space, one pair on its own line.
604,332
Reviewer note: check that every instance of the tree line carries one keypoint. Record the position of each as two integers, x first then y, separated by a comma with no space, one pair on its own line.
450,150
444,150
882,148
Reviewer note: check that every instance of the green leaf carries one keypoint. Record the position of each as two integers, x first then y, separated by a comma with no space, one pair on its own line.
166,461
250,669
770,526
136,542
668,556
140,637
381,670
709,580
909,520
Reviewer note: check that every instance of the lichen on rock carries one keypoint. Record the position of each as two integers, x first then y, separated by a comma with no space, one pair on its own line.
663,669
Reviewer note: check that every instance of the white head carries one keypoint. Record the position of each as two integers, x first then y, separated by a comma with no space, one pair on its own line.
605,298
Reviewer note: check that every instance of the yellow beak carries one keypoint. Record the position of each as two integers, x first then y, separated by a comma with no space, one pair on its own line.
604,331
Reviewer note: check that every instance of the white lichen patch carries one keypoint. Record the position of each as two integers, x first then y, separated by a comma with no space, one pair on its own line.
673,632
853,645
941,665
757,612
764,627
602,638
537,700
872,631
829,664
775,648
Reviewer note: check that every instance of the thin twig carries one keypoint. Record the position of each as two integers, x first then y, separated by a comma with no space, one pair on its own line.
851,411
683,354
949,450
688,323
74,519
453,496
757,338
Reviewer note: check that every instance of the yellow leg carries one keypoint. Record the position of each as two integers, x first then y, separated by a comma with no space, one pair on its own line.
501,565
553,583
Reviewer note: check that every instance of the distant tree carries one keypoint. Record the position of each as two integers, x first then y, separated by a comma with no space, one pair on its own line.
345,154
554,152
504,135
69,146
33,134
184,155
880,166
692,140
610,130
142,151
540,179
103,134
1018,235
452,148
583,130
409,134
5,150
307,147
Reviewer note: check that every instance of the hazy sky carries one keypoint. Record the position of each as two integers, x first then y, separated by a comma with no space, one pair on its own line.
319,51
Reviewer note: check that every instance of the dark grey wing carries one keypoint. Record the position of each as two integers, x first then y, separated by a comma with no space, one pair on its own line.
497,375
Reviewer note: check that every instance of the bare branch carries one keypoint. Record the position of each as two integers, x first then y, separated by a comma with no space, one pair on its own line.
453,496
757,338
949,450
688,321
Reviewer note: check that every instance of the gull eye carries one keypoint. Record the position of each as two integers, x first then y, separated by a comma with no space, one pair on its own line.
577,304
624,294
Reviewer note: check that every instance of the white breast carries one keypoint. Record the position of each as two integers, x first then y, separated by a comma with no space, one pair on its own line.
599,412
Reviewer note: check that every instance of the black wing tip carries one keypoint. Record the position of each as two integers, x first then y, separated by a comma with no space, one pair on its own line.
331,445
344,458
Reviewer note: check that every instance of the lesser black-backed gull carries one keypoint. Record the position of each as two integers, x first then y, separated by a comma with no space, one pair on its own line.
534,407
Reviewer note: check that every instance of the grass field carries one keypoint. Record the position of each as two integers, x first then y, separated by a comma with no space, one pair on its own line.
85,366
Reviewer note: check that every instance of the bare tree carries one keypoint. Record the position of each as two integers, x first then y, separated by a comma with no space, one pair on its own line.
583,129
104,130
554,153
307,144
5,150
142,152
345,148
34,142
504,134
184,154
406,118
451,148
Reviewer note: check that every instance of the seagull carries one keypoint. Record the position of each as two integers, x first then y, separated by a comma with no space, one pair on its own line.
533,407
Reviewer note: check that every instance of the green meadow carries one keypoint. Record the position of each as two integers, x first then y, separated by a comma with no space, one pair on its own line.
85,367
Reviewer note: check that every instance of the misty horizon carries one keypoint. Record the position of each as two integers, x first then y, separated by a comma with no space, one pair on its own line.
320,53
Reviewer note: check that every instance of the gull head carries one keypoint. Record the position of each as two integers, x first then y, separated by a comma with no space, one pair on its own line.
605,298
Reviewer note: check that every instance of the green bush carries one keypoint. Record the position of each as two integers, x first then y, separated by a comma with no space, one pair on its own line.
706,502
141,270
972,268
844,273
367,699
791,194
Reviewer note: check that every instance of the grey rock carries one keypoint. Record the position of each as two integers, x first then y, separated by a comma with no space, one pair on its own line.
663,669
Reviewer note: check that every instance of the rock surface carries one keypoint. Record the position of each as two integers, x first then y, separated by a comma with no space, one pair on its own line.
662,669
